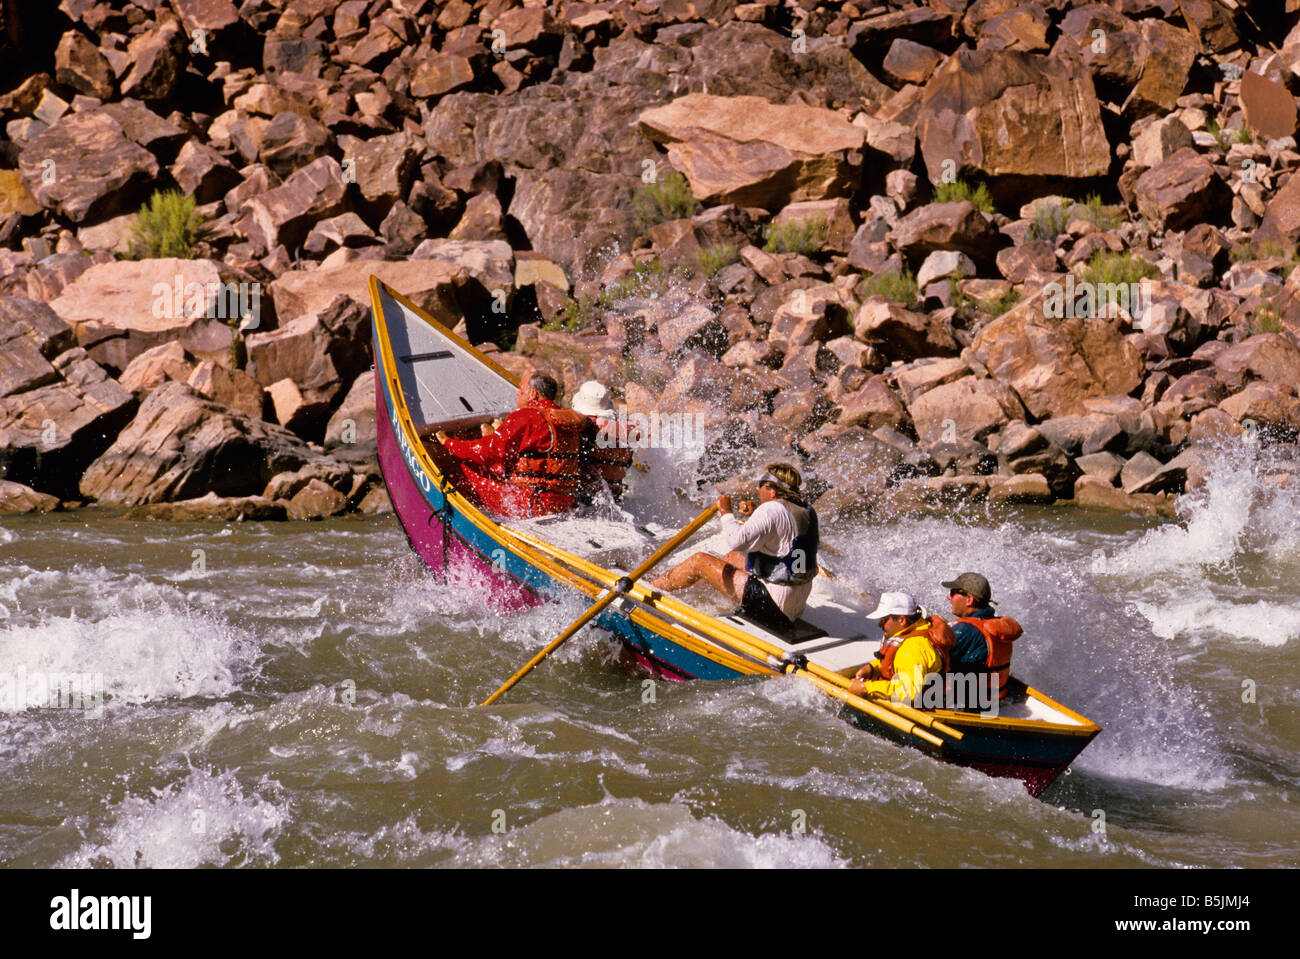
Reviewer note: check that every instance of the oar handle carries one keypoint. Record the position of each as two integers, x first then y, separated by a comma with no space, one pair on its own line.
621,587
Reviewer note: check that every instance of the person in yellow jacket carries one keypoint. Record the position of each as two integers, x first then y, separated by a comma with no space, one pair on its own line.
915,646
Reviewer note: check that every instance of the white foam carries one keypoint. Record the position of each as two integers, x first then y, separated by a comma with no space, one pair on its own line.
142,655
635,833
207,819
1200,619
1237,511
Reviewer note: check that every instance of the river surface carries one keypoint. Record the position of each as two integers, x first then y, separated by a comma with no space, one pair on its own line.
298,694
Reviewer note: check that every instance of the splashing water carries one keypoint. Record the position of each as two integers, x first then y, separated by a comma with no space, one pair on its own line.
208,819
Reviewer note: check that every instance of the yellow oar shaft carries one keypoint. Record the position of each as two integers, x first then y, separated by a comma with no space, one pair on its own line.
874,710
901,717
650,562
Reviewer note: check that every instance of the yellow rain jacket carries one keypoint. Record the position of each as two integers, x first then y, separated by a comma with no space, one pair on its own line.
916,658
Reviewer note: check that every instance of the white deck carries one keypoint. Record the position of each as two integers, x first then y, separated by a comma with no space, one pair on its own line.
442,381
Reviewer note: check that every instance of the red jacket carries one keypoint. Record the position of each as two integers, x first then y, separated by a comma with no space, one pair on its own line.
515,472
523,431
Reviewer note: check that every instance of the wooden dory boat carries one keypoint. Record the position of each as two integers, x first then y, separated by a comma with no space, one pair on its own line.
427,378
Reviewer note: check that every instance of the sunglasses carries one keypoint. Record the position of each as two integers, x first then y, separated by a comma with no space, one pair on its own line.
958,592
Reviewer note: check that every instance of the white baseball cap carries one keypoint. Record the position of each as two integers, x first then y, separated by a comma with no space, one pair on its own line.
894,604
592,399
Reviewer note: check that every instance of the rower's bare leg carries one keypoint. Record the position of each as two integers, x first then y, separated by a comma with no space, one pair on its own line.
727,578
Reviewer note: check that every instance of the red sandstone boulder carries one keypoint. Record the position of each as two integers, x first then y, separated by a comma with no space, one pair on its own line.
966,409
1054,365
181,446
122,308
48,435
999,113
751,152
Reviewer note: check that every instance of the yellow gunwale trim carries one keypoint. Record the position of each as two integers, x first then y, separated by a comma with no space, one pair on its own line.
502,535
579,573
1086,728
722,632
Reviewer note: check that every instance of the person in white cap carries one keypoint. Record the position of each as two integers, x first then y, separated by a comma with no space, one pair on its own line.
605,455
915,646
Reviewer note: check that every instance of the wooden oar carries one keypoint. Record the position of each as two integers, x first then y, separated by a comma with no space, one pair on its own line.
622,586
898,715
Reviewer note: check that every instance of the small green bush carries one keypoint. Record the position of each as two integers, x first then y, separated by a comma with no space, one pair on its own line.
796,236
666,199
1244,134
967,306
577,314
1221,138
1092,210
1266,319
714,258
1268,250
958,190
1108,267
168,225
650,278
995,306
1049,220
899,287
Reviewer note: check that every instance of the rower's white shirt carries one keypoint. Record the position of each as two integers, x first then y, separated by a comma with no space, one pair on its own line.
771,529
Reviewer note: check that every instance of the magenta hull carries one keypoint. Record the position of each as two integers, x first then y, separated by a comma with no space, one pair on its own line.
430,533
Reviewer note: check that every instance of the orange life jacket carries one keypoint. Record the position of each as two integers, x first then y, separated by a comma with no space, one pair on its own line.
938,632
999,633
555,469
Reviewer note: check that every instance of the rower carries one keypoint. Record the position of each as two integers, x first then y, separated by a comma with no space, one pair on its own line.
604,455
916,646
529,465
773,558
983,638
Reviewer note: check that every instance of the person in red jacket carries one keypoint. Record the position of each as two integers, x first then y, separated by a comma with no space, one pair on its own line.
529,465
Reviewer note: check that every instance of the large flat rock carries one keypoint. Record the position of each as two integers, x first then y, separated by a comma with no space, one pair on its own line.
1054,365
128,306
183,446
1000,113
748,151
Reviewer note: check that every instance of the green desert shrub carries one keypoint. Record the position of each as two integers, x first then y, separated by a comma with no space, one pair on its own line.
1095,212
796,236
668,198
1266,319
577,314
899,287
1049,220
978,194
714,258
168,225
1108,267
651,278
997,305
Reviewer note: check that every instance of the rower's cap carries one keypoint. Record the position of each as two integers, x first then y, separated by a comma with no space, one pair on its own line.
592,399
894,604
973,585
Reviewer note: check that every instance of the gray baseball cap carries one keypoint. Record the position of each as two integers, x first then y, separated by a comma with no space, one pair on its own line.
972,584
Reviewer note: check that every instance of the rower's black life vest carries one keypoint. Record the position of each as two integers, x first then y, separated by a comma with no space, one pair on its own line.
797,566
